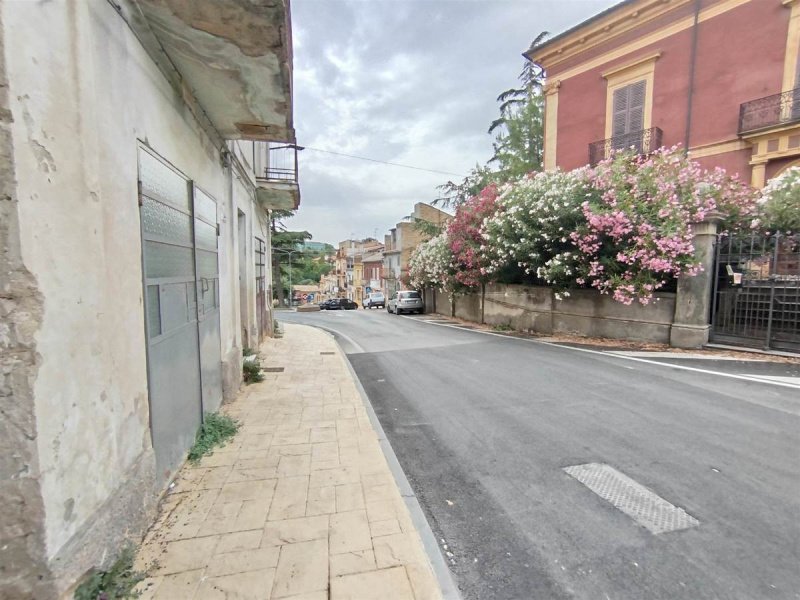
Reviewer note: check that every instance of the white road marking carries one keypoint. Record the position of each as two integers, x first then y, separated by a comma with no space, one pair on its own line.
794,382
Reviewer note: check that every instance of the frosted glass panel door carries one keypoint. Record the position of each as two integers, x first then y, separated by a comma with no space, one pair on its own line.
171,309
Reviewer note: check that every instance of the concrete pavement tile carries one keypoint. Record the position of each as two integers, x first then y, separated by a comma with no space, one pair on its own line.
321,501
297,437
290,498
292,531
397,549
221,519
388,584
291,450
423,582
147,587
180,585
260,462
308,596
253,585
352,562
294,465
243,560
245,490
323,434
219,459
380,492
381,510
388,527
239,540
252,474
324,465
338,476
214,477
349,497
302,568
324,450
253,514
185,555
350,532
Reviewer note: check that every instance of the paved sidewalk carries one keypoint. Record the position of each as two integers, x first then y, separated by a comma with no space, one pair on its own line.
301,505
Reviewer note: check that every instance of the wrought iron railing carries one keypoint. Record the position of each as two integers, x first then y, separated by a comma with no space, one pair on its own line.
275,161
771,111
641,142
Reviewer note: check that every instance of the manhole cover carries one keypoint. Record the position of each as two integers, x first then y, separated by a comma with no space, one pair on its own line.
327,353
273,369
643,506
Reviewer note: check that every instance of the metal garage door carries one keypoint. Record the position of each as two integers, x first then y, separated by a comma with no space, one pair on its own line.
181,290
205,237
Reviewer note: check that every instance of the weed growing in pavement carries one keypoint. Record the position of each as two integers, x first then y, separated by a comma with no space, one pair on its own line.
215,431
248,352
251,371
503,327
117,583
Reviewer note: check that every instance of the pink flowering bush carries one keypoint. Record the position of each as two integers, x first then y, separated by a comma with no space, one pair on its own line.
465,239
637,231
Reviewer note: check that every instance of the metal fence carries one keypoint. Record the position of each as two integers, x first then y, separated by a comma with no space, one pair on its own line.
770,111
757,291
641,142
275,161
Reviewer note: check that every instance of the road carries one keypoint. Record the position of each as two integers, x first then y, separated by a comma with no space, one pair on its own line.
484,426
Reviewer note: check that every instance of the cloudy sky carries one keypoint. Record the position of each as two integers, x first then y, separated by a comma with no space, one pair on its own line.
412,82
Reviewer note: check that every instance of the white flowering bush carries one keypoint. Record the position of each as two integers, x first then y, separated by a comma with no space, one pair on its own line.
532,231
780,203
431,265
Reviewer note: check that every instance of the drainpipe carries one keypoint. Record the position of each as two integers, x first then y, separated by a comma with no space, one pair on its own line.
690,92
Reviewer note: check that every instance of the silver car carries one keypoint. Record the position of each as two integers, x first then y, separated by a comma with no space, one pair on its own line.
405,301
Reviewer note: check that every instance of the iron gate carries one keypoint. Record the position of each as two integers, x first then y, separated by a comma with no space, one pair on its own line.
757,291
261,288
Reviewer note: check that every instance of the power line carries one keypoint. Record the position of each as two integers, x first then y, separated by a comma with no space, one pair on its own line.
383,162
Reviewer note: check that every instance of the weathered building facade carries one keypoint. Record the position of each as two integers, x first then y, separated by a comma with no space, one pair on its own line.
142,145
720,77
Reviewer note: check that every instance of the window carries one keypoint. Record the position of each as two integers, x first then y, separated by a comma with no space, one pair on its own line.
628,110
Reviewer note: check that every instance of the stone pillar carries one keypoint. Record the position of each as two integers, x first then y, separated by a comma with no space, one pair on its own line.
690,326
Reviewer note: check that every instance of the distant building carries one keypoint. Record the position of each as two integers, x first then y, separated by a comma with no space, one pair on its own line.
349,268
373,272
721,77
401,241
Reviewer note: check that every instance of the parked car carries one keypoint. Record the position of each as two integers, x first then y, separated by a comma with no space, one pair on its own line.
342,304
325,304
405,301
375,300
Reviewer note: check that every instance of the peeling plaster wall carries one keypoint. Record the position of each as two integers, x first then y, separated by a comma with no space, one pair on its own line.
83,93
23,568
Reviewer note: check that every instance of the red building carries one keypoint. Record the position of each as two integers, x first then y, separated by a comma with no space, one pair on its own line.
720,77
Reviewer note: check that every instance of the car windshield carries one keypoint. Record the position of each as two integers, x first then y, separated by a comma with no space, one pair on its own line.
377,296
409,295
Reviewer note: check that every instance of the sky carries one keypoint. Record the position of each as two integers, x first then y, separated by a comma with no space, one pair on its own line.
412,82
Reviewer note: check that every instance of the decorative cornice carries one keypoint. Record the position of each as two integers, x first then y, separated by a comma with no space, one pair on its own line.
652,57
600,29
551,87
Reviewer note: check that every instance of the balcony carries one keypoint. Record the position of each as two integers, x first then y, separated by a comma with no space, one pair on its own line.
771,111
275,165
641,142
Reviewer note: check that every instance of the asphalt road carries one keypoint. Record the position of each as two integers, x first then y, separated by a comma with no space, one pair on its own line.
483,427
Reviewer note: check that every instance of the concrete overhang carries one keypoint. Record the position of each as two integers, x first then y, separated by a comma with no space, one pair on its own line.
277,195
234,57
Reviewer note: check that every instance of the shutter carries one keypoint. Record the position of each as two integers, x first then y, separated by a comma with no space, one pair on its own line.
620,112
636,92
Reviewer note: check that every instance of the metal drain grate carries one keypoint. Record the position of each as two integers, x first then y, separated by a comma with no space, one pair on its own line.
327,353
643,506
273,369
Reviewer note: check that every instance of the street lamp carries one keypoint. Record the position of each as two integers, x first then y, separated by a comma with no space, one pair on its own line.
289,252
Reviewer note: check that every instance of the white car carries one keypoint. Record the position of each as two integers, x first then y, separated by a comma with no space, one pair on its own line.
375,299
406,301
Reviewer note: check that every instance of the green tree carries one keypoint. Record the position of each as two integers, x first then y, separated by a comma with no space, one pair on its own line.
519,140
283,240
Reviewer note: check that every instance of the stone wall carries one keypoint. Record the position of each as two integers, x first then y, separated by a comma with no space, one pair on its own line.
584,313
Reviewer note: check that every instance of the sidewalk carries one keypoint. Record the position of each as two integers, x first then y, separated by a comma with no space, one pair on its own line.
301,505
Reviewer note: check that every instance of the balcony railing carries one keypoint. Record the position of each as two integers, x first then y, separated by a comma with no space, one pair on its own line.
771,111
275,162
641,142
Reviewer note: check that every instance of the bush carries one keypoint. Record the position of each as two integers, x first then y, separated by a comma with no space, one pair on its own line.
780,203
115,584
215,431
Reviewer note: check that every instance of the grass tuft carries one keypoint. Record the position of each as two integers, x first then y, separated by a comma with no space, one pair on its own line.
117,583
215,431
251,371
503,327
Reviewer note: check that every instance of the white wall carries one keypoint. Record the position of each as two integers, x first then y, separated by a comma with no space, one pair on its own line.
84,94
